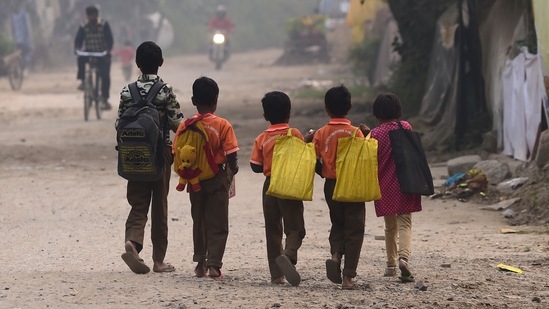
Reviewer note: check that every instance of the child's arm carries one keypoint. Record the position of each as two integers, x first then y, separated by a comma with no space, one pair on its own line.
232,160
365,129
318,168
309,136
256,168
173,109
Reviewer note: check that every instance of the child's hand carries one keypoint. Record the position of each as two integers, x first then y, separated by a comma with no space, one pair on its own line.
365,129
309,136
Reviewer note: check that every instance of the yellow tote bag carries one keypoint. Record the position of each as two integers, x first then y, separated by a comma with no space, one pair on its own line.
356,170
293,169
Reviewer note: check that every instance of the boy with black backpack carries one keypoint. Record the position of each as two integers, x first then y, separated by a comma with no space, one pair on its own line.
148,111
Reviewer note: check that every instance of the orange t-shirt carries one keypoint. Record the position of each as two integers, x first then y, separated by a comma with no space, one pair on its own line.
262,152
222,137
325,140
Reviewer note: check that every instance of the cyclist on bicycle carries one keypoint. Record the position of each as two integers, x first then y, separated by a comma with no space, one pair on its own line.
95,36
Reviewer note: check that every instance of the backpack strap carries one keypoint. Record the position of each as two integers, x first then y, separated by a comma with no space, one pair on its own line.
134,92
151,95
153,91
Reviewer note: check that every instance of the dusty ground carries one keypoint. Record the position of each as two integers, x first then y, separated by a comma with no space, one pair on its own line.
63,208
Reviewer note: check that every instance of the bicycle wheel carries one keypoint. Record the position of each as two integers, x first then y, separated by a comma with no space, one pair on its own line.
88,95
97,97
15,75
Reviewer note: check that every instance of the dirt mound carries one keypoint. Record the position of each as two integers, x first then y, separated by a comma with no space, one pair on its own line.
533,208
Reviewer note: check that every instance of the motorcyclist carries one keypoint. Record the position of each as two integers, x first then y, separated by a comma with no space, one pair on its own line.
95,36
220,21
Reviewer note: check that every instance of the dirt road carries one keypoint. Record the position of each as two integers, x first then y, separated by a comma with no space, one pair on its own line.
63,208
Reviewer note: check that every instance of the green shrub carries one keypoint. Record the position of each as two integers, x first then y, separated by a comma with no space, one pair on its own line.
363,57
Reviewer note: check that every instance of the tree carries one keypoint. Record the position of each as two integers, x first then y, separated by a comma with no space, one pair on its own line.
416,22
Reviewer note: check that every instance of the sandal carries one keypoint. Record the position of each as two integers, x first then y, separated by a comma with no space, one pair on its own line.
333,271
288,269
405,273
390,271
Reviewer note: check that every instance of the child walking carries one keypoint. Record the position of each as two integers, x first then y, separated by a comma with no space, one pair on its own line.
395,207
210,205
348,218
281,215
140,193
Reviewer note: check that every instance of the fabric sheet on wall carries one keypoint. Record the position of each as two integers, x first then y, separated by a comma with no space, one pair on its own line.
523,93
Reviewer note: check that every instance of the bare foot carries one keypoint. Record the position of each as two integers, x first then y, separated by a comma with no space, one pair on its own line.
279,280
348,283
161,267
200,270
215,273
337,257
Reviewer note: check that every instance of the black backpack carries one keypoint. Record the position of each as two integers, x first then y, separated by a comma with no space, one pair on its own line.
139,138
412,169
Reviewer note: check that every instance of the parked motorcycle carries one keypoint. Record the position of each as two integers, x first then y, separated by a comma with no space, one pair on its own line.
219,49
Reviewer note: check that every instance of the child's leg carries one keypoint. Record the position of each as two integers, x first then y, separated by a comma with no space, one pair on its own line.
337,236
159,214
273,232
404,235
216,193
159,221
391,236
199,226
294,227
337,233
355,216
139,197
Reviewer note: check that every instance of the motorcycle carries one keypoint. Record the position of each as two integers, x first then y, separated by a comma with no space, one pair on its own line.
219,49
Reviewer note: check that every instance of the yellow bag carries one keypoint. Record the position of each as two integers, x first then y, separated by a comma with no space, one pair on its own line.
356,170
293,169
193,157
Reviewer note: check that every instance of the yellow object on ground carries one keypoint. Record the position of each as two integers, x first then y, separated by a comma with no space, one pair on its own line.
510,268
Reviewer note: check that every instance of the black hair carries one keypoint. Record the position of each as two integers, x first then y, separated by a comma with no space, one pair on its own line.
276,107
387,106
338,101
148,57
205,91
92,10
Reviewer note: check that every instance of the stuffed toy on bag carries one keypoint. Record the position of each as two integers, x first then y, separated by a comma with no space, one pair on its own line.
188,170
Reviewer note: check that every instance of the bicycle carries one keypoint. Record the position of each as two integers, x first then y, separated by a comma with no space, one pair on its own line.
92,83
11,66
